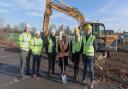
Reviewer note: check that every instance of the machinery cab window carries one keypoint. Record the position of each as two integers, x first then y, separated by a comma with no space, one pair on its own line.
98,30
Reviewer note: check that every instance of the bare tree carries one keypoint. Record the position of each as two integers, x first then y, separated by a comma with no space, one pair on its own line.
21,26
33,29
60,28
16,29
7,28
67,30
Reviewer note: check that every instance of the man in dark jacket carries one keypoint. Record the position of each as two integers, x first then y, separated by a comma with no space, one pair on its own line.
52,49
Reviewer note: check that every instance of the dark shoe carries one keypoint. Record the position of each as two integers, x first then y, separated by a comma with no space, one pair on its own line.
74,77
38,75
53,73
28,74
17,78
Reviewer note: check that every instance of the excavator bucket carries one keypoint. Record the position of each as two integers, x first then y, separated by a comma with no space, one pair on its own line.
111,42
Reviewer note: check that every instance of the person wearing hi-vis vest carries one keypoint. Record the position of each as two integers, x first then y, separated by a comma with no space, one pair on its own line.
63,52
37,47
88,49
23,42
52,49
75,48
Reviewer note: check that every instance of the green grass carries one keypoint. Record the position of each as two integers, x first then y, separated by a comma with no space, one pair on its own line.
12,36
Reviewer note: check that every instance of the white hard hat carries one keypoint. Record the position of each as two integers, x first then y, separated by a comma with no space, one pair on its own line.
27,25
37,32
53,30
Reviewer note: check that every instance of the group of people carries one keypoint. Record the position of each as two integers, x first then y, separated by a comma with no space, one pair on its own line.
30,45
84,45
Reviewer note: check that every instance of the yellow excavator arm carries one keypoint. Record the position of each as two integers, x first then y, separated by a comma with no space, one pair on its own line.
59,6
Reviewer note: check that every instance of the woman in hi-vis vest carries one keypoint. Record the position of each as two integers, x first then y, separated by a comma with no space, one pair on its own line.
63,52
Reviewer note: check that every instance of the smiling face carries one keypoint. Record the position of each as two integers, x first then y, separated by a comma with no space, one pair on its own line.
77,33
37,35
27,29
63,38
88,31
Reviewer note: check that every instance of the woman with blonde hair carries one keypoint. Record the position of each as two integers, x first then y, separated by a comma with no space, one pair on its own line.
63,52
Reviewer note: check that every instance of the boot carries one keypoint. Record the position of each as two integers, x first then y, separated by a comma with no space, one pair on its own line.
76,74
91,85
34,76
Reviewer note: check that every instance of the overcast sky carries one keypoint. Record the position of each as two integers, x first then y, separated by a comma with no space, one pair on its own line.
113,13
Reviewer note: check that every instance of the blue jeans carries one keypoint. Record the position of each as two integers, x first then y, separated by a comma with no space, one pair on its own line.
87,62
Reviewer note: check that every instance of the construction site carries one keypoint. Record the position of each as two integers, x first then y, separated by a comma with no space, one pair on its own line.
111,57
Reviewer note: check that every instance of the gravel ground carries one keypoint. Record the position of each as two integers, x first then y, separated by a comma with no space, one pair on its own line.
9,70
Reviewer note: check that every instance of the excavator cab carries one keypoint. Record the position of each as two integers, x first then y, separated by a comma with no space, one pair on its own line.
104,42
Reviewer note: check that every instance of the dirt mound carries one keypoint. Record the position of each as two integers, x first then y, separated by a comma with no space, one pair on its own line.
114,69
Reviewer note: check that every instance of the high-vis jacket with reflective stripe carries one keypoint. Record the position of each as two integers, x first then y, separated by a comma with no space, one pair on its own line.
76,45
88,48
50,45
36,45
23,41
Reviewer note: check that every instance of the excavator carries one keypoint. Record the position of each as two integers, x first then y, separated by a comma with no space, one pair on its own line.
105,43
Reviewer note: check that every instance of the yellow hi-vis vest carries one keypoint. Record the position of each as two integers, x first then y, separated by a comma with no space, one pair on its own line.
88,48
50,45
23,41
36,45
76,45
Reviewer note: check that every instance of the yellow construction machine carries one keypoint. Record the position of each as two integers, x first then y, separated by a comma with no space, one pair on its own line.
105,42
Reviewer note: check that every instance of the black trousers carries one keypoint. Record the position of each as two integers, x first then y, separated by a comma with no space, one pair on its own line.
28,61
76,60
51,62
63,63
36,64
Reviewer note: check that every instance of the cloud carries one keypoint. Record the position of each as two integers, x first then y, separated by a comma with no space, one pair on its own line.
6,7
32,7
119,18
113,14
2,21
24,5
34,13
122,12
62,16
107,6
115,23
